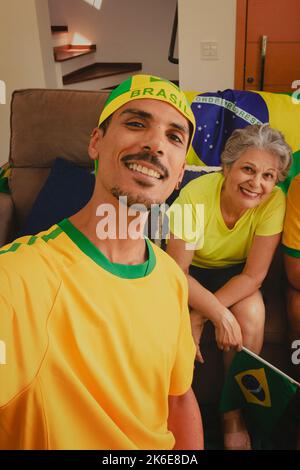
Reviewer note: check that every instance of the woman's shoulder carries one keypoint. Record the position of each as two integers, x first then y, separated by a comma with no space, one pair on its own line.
276,201
277,195
204,182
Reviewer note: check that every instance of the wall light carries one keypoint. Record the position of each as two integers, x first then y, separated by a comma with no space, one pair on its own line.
94,3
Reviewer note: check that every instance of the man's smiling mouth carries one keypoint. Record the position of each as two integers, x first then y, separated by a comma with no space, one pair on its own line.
144,170
146,165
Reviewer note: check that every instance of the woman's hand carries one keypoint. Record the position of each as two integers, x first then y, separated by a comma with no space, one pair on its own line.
197,323
228,332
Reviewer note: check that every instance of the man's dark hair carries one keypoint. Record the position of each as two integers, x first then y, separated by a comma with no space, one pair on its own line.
104,125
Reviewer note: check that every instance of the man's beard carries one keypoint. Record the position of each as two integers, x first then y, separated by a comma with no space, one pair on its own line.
132,199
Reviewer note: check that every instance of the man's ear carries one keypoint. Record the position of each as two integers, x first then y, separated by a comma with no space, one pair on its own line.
180,177
93,148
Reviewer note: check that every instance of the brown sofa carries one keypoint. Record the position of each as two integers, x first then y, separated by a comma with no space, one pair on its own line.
46,124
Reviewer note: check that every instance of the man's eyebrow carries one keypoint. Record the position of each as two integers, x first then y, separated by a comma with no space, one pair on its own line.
137,112
146,115
181,128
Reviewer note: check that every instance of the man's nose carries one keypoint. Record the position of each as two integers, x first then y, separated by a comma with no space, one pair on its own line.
154,142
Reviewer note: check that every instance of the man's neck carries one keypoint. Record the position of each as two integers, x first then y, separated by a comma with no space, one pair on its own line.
110,230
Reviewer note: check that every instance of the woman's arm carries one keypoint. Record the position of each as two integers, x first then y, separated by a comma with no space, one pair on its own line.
200,299
228,332
249,281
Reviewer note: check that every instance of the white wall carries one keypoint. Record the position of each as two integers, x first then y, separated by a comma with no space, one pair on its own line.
44,28
123,30
206,20
21,56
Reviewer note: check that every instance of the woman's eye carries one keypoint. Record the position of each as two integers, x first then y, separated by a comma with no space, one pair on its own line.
269,176
248,169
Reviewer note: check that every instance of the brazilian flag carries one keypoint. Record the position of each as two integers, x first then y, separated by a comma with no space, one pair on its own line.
263,391
219,113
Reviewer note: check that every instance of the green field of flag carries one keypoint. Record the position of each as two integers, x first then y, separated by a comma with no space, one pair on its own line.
259,388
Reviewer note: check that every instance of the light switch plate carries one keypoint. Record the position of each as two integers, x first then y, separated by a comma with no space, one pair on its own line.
209,50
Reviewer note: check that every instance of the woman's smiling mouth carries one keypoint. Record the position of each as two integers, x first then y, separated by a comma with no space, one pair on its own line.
250,194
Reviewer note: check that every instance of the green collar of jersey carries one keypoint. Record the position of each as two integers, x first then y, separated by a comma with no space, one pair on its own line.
121,270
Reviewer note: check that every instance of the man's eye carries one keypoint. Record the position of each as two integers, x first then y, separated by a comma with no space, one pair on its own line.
134,124
176,138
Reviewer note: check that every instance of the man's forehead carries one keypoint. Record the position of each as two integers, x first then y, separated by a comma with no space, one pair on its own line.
153,109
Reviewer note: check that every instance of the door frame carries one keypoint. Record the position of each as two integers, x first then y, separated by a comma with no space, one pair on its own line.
240,44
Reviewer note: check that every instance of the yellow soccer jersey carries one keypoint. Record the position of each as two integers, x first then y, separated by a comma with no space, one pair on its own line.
91,350
291,232
217,245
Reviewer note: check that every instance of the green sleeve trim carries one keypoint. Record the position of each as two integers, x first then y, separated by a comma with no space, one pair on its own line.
291,251
52,235
32,239
121,270
12,248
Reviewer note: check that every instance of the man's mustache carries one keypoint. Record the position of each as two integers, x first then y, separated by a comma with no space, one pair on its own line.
147,157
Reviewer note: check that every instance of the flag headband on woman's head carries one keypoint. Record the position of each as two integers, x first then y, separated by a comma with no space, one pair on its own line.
147,87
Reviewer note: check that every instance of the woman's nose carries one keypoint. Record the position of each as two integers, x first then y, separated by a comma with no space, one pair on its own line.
256,180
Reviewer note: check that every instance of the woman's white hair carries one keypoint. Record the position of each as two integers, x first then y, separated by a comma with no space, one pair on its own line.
260,136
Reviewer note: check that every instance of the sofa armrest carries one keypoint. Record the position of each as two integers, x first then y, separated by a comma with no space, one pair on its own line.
7,218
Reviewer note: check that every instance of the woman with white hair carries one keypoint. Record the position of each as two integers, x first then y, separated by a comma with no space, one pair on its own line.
243,220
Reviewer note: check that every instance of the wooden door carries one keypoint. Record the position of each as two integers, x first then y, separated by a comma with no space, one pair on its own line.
278,21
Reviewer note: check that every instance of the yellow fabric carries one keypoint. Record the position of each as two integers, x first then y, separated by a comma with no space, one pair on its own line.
220,246
90,357
291,233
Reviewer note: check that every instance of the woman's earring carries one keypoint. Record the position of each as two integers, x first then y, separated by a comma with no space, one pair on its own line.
178,185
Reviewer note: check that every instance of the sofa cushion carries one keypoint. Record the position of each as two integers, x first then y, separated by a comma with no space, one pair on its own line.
7,218
48,123
25,185
67,189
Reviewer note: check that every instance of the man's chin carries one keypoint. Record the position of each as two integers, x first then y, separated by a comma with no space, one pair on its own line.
130,199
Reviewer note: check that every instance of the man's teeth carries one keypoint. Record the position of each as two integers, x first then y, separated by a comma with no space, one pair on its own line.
144,170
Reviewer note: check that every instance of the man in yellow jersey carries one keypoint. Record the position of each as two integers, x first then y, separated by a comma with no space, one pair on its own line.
96,345
291,248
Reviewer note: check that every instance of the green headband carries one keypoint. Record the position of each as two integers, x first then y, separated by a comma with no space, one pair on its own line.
147,86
